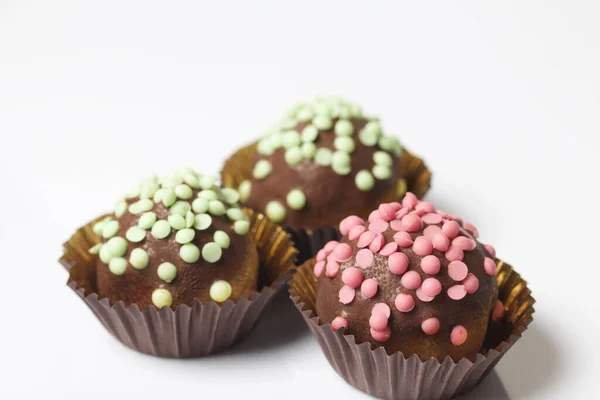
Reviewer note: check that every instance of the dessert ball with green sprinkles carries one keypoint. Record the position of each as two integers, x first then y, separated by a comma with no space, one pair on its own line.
324,160
175,239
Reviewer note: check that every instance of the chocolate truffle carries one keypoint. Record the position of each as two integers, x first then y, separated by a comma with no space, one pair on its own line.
411,279
173,240
323,161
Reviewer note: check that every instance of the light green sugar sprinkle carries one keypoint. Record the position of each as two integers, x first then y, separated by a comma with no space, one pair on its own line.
382,172
276,140
230,195
244,190
275,211
309,133
141,206
176,221
235,214
192,181
323,156
364,181
296,199
167,272
110,229
382,158
161,229
120,209
288,123
99,226
157,198
200,205
344,143
189,252
168,197
293,156
262,169
322,122
185,236
183,192
305,114
368,138
203,221
135,234
105,255
147,220
342,170
208,195
117,265
220,291
217,208
291,139
162,298
211,252
387,143
222,239
265,147
207,181
308,150
180,208
190,219
341,158
95,249
374,127
139,259
241,227
344,128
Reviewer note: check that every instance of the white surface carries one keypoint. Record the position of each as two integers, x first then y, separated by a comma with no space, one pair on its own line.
501,98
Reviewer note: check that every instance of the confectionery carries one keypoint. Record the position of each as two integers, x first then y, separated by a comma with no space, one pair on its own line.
412,279
323,161
175,239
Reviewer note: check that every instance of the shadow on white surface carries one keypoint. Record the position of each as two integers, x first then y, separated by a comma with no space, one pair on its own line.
491,388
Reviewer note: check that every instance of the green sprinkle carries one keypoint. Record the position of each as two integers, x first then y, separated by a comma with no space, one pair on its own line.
310,133
167,272
200,205
235,214
95,249
217,208
374,127
293,156
382,158
158,195
161,229
184,192
192,181
288,123
162,298
148,190
322,109
141,206
180,208
222,239
293,110
139,259
382,172
99,226
220,291
244,190
135,192
364,181
120,209
355,110
211,252
344,128
203,221
275,211
185,236
241,227
342,170
291,139
176,221
343,111
189,252
117,246
344,143
340,160
296,199
105,255
168,197
110,229
387,143
309,150
117,265
207,181
305,114
231,195
262,169
208,195
265,147
190,219
322,122
147,220
323,156
368,138
276,140
135,234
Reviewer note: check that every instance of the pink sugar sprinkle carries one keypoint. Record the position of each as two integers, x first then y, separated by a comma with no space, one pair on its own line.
369,288
401,213
398,263
332,268
395,206
374,215
422,247
458,270
381,308
321,255
346,295
454,254
403,239
339,323
450,229
404,302
381,336
431,326
365,239
457,292
396,225
442,213
411,223
364,258
490,249
489,266
319,268
352,277
423,297
430,265
349,222
411,280
458,336
342,252
387,212
464,243
418,213
471,228
377,243
471,283
378,322
356,231
498,312
410,200
440,242
389,249
431,287
378,226
330,246
425,206
431,231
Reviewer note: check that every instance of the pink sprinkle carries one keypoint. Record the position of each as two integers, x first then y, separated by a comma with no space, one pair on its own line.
411,223
458,335
401,213
356,231
427,207
498,311
398,263
489,266
346,294
381,308
454,254
368,288
431,326
321,255
396,225
330,246
403,239
464,243
418,213
457,292
471,228
319,268
349,222
442,213
431,231
364,258
410,200
431,287
389,249
332,268
411,280
387,212
342,252
377,243
378,322
430,265
374,215
383,335
352,277
490,249
378,226
458,270
440,242
423,297
422,246
471,283
339,323
366,239
404,302
450,229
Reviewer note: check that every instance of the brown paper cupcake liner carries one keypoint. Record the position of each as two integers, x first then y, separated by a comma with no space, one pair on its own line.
238,168
188,331
397,377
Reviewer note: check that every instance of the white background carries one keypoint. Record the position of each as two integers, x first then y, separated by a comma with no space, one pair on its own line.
502,98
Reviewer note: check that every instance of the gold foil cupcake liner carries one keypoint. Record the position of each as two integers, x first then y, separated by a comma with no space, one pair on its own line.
189,330
398,377
416,179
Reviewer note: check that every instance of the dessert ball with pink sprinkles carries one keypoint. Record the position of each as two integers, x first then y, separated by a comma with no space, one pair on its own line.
412,279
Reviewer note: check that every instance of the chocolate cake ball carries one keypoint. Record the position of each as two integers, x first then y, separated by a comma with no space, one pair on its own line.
319,150
173,240
411,279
